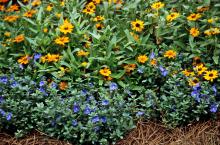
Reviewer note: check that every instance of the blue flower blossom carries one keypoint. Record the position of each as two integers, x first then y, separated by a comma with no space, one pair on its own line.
89,98
1,99
74,123
84,92
2,112
76,108
140,113
87,110
53,85
95,119
113,86
9,116
37,56
214,89
140,70
14,84
214,108
42,83
105,102
103,119
3,79
164,72
152,55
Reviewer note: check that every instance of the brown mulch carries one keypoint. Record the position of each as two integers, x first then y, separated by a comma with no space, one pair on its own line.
146,133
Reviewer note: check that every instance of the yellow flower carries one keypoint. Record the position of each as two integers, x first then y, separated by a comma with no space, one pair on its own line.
194,17
186,72
210,20
170,54
194,32
36,3
19,38
135,36
11,18
29,13
99,26
157,5
153,62
58,15
45,30
105,72
67,27
49,7
23,59
137,25
7,34
129,67
91,6
99,18
200,69
12,8
142,58
82,53
62,40
2,8
211,75
97,1
62,3
84,64
50,58
88,11
202,9
193,81
172,16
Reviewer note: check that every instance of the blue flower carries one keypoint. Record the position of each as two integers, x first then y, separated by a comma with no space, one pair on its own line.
103,119
21,66
196,95
2,112
53,85
84,92
97,128
214,108
95,119
42,83
37,56
14,84
91,84
74,123
152,55
42,90
1,99
113,86
140,70
76,108
4,80
105,102
164,72
214,89
89,98
87,110
8,117
139,113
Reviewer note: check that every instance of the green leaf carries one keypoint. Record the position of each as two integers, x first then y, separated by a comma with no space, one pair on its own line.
215,58
118,75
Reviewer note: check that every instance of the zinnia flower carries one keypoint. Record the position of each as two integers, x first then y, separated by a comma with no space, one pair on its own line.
157,5
194,32
170,54
142,58
137,25
105,72
62,40
67,27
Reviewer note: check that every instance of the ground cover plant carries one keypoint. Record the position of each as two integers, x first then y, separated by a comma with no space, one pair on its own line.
87,71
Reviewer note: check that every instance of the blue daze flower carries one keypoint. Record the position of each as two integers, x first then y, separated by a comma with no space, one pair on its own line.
87,110
9,116
89,98
105,102
21,66
42,83
140,70
42,90
2,112
113,86
3,79
1,99
152,55
95,119
37,56
74,123
76,108
214,108
103,119
14,84
214,89
97,128
84,92
140,113
91,84
164,72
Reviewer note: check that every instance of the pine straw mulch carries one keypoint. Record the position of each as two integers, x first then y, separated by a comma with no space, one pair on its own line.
146,133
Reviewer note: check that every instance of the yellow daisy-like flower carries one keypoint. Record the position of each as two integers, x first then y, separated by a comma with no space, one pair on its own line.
172,16
24,59
200,69
99,26
82,53
135,36
2,8
211,20
142,58
62,40
67,27
194,32
153,62
49,7
137,25
36,3
99,18
129,67
84,64
63,85
7,34
194,17
193,81
29,13
19,38
170,54
105,72
157,5
186,72
211,75
88,11
11,18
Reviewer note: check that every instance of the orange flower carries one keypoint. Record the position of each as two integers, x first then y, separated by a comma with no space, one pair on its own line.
19,38
105,72
170,54
194,32
29,13
11,18
63,86
24,59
